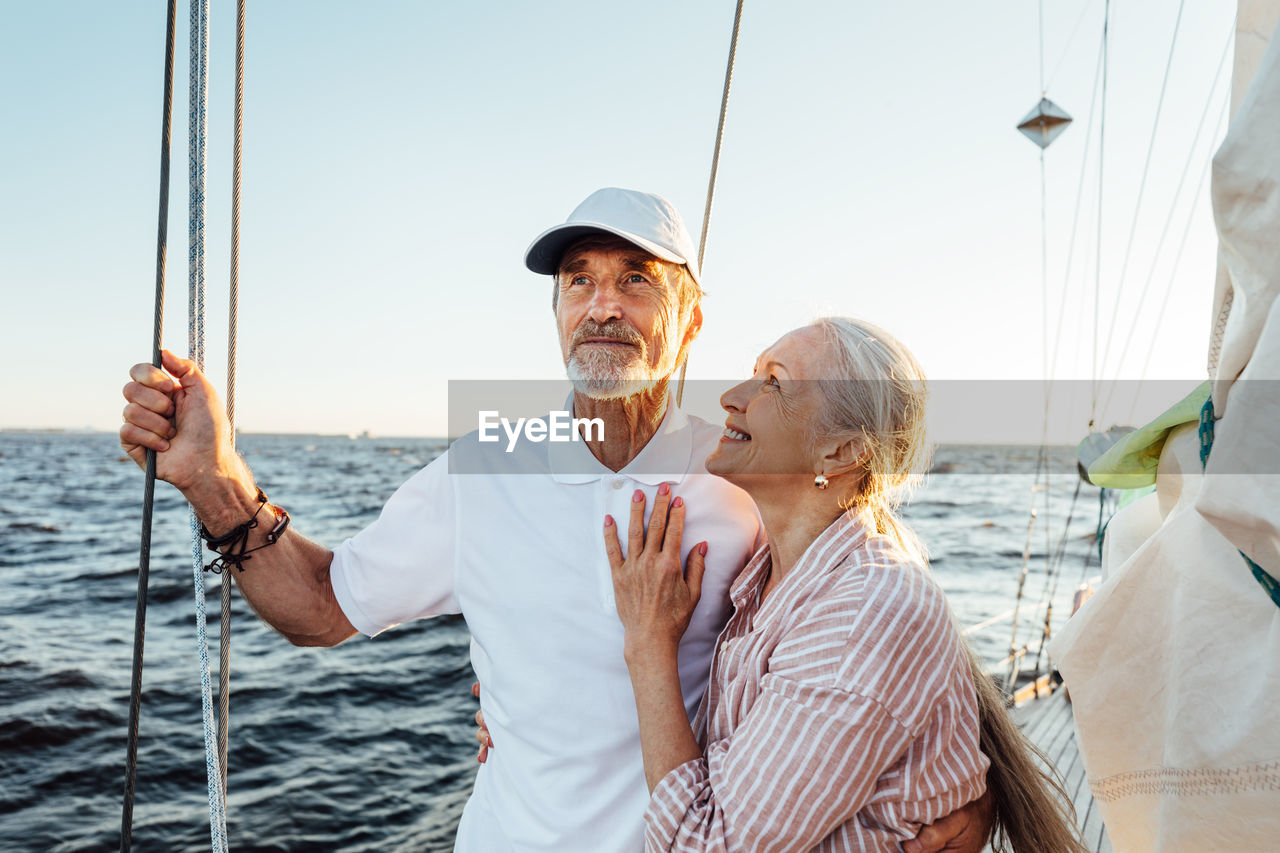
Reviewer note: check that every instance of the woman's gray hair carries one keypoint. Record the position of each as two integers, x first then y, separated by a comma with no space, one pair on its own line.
880,399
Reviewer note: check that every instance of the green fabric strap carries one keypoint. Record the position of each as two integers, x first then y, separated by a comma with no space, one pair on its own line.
1206,444
1131,462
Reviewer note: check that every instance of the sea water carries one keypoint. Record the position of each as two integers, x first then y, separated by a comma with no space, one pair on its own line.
369,745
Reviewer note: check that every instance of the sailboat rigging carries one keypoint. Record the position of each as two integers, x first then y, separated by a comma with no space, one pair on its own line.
1043,125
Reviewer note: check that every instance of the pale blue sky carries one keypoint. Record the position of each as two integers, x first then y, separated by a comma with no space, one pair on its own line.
400,156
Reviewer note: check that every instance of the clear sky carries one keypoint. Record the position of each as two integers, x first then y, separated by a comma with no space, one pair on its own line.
399,157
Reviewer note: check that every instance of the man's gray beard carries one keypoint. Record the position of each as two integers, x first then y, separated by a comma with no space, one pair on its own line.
601,376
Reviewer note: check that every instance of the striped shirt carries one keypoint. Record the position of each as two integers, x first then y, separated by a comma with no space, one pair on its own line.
840,715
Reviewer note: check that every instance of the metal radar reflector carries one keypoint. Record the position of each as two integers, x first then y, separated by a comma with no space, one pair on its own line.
1044,123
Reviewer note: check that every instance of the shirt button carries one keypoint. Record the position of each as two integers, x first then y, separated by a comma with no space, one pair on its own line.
617,484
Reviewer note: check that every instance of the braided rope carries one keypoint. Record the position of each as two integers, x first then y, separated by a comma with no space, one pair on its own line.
1220,332
149,491
715,167
1054,572
1017,602
199,70
224,635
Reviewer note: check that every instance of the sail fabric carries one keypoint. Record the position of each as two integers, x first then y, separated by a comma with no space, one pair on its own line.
1256,20
1246,285
1246,391
1174,671
1174,663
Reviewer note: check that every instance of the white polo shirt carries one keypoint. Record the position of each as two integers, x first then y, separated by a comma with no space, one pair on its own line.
516,545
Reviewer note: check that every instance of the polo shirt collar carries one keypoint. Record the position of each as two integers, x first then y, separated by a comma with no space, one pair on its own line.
665,459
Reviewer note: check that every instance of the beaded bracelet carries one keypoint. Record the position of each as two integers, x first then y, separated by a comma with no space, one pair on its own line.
237,538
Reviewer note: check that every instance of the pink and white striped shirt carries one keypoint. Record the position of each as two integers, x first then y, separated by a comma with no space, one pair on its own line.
840,715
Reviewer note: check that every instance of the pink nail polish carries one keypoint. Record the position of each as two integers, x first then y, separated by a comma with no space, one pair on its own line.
664,489
677,502
608,521
637,497
702,549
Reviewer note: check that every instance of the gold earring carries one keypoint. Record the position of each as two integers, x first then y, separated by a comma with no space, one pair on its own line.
820,481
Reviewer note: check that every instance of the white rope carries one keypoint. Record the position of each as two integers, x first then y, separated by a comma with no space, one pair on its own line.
1102,151
1043,90
1017,601
1075,217
1066,48
1046,468
199,70
1164,233
1137,207
233,311
1173,274
987,623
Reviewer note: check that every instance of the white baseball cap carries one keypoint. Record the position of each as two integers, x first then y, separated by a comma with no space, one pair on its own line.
648,220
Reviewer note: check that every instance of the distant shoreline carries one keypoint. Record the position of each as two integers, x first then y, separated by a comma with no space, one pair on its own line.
376,437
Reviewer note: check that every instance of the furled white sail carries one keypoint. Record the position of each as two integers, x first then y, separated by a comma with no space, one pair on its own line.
1246,203
1235,332
1174,665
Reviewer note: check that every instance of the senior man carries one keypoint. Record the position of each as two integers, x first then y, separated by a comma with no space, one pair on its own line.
517,552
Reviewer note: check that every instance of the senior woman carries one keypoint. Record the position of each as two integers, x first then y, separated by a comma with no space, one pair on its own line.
841,712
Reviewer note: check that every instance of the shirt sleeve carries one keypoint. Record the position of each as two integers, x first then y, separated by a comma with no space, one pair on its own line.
804,761
401,567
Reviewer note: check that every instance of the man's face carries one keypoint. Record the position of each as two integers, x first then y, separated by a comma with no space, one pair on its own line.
619,318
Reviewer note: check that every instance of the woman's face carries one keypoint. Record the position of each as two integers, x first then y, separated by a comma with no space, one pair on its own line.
766,442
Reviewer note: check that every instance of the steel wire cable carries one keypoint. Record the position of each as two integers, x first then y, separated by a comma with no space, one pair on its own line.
1066,48
1177,261
1055,572
1164,232
1102,151
1137,207
149,488
1042,464
715,168
1017,602
1075,218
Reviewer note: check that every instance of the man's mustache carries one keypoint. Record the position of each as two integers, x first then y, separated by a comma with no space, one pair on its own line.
615,330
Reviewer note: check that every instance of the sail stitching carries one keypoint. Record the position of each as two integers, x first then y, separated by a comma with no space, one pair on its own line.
1181,781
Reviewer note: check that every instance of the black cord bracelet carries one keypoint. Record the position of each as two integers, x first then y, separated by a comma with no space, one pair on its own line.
236,540
235,532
